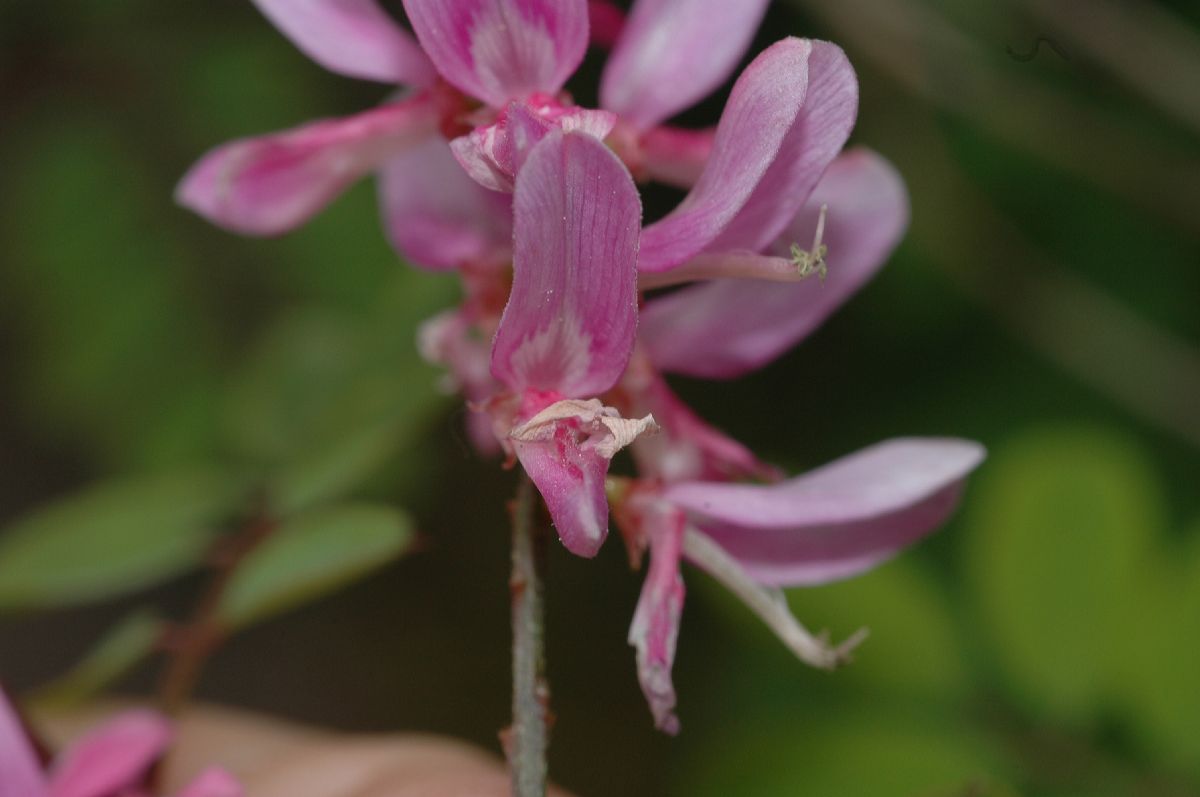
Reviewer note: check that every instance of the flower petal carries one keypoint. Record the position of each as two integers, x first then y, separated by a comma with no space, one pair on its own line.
20,770
274,183
436,216
570,321
570,477
213,782
501,50
113,757
655,627
814,140
725,328
493,155
673,53
355,38
838,520
761,109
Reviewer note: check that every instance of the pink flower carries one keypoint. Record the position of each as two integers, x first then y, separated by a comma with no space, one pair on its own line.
568,330
496,51
113,760
832,523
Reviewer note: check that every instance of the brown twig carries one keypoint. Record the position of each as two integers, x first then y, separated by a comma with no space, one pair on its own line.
191,645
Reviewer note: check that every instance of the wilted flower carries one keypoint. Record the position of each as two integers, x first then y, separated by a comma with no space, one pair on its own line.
113,760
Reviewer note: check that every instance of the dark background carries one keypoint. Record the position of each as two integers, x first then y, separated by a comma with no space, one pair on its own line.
1045,303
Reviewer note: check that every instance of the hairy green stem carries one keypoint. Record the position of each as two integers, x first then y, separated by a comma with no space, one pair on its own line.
527,740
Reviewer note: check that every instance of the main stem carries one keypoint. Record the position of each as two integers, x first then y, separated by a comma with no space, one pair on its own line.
531,694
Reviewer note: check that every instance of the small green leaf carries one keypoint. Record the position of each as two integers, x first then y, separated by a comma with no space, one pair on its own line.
1061,526
114,538
312,555
125,646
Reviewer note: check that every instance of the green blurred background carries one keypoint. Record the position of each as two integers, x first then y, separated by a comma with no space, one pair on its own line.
1047,642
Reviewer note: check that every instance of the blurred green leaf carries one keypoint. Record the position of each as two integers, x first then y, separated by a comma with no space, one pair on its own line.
311,556
114,538
914,646
121,354
1061,523
853,751
121,649
1161,686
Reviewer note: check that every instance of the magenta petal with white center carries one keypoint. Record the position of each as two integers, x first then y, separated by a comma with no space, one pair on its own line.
838,520
435,215
571,317
725,328
274,183
655,627
673,53
762,108
20,770
113,757
501,50
814,140
213,783
355,38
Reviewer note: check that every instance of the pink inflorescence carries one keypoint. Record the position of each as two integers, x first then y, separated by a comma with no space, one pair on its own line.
488,168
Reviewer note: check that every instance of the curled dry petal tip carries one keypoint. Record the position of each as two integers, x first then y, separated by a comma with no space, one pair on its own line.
566,449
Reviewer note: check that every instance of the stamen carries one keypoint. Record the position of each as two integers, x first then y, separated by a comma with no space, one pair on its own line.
812,260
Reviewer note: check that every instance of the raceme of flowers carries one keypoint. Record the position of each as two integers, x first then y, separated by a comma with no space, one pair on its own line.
113,760
488,168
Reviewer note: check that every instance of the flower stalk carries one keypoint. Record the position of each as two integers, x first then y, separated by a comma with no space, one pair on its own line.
527,738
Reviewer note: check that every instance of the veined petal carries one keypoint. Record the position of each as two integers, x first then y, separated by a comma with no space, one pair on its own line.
655,627
213,783
20,770
838,520
571,317
725,328
762,108
501,50
436,216
813,141
271,184
355,38
673,53
113,757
